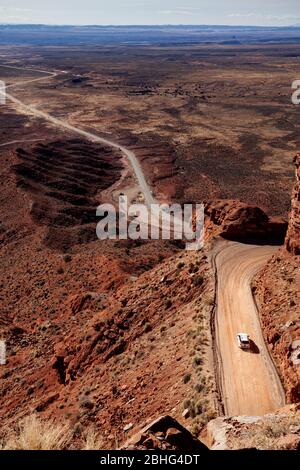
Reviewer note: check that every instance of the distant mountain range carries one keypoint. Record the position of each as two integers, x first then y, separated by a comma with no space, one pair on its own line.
14,34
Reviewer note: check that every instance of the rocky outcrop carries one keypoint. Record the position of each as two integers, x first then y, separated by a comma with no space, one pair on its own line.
235,220
292,242
164,433
276,431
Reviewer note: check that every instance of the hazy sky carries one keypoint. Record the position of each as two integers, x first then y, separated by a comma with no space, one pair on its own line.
234,12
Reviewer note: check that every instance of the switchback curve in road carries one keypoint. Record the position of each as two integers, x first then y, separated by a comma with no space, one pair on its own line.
248,380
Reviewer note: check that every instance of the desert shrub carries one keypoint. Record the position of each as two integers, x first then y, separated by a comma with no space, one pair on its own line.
186,404
195,428
210,301
92,441
186,378
201,407
199,387
211,414
191,268
86,402
198,280
197,361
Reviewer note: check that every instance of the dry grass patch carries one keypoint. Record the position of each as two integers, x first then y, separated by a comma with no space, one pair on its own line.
265,434
35,433
92,441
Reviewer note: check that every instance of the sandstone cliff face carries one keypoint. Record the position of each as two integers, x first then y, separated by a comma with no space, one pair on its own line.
293,235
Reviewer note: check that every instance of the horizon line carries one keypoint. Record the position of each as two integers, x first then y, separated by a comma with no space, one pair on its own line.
103,25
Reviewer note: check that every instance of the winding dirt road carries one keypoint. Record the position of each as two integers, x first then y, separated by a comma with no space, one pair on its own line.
62,124
249,382
31,110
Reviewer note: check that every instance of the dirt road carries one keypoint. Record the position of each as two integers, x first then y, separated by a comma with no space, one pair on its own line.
248,380
13,142
62,124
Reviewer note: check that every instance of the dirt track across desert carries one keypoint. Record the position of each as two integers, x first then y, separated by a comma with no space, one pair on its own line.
31,110
249,381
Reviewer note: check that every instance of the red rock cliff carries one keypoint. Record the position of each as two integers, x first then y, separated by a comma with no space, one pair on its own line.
292,242
278,295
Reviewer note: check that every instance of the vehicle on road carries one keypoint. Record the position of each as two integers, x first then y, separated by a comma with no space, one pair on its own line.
243,341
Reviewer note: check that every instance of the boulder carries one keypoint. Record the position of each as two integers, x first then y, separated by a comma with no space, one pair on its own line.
164,433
